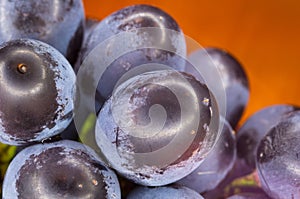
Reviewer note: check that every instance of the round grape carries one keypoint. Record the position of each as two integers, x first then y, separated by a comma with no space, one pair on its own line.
252,132
169,192
55,22
234,78
151,26
37,86
278,160
158,127
64,169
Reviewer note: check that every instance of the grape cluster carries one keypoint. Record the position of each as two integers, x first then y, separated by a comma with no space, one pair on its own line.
117,109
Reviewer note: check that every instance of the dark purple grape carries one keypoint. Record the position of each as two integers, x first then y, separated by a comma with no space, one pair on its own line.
64,169
158,127
234,79
251,133
170,192
37,86
165,33
215,166
126,186
278,159
56,22
70,133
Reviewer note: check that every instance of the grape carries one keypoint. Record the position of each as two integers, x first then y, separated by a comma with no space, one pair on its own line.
239,187
277,159
249,195
135,19
37,87
58,23
90,24
70,133
251,133
216,165
159,115
64,169
170,192
130,18
233,76
157,127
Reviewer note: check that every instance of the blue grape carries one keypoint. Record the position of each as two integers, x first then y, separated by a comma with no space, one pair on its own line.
149,131
37,87
170,192
90,24
253,131
55,22
64,169
233,75
134,19
278,161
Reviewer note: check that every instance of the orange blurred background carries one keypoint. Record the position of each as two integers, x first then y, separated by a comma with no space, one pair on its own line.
263,35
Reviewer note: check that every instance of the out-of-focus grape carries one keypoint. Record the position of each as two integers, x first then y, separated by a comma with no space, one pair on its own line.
251,133
278,160
232,74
